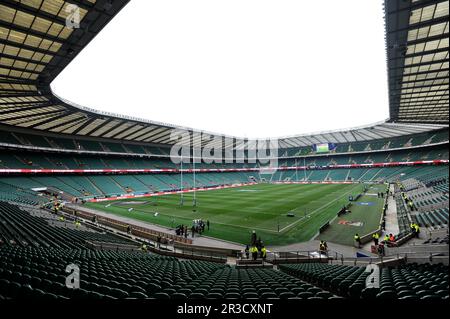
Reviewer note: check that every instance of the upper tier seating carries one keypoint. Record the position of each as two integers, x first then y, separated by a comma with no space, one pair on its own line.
123,147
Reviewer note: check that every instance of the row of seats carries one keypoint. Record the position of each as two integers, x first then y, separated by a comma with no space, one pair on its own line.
19,228
345,281
40,273
19,195
16,160
68,143
437,217
410,281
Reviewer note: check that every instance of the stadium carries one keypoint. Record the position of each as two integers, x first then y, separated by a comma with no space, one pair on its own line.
102,206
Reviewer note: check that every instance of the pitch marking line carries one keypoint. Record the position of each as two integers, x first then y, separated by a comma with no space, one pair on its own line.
218,223
317,209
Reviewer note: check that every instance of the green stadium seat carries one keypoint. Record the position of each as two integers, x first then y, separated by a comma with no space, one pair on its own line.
386,294
161,295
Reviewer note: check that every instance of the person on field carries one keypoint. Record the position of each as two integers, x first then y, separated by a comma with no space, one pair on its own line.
259,243
253,238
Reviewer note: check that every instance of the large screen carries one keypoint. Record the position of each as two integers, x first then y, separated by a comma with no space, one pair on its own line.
324,147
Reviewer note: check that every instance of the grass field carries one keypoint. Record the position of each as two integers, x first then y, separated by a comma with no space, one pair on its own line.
367,209
234,212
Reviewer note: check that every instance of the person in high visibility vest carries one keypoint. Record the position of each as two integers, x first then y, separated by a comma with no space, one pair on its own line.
357,240
254,252
417,230
386,238
263,253
375,237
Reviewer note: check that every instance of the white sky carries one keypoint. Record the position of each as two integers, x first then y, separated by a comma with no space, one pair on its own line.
249,68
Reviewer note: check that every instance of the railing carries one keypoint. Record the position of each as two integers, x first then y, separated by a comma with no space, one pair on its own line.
295,256
168,249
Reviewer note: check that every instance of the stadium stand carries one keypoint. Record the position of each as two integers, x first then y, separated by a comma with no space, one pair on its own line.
20,228
55,155
410,281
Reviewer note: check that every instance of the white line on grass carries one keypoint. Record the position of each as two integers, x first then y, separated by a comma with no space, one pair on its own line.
317,209
218,223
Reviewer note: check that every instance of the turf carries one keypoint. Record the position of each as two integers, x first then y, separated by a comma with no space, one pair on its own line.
233,213
341,233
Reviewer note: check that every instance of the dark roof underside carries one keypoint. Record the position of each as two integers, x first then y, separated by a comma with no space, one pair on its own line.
417,52
36,45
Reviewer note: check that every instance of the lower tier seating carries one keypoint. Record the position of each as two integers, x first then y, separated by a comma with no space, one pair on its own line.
40,273
410,281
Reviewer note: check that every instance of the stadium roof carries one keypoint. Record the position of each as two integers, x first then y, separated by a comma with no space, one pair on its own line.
36,44
417,51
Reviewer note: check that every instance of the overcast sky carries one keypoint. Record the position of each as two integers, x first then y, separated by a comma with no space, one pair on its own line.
249,68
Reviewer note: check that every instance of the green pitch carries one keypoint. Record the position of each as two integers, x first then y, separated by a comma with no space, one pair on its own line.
363,218
234,212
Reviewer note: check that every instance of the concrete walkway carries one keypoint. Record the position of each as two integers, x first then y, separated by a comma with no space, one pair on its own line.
203,241
391,226
313,245
391,215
